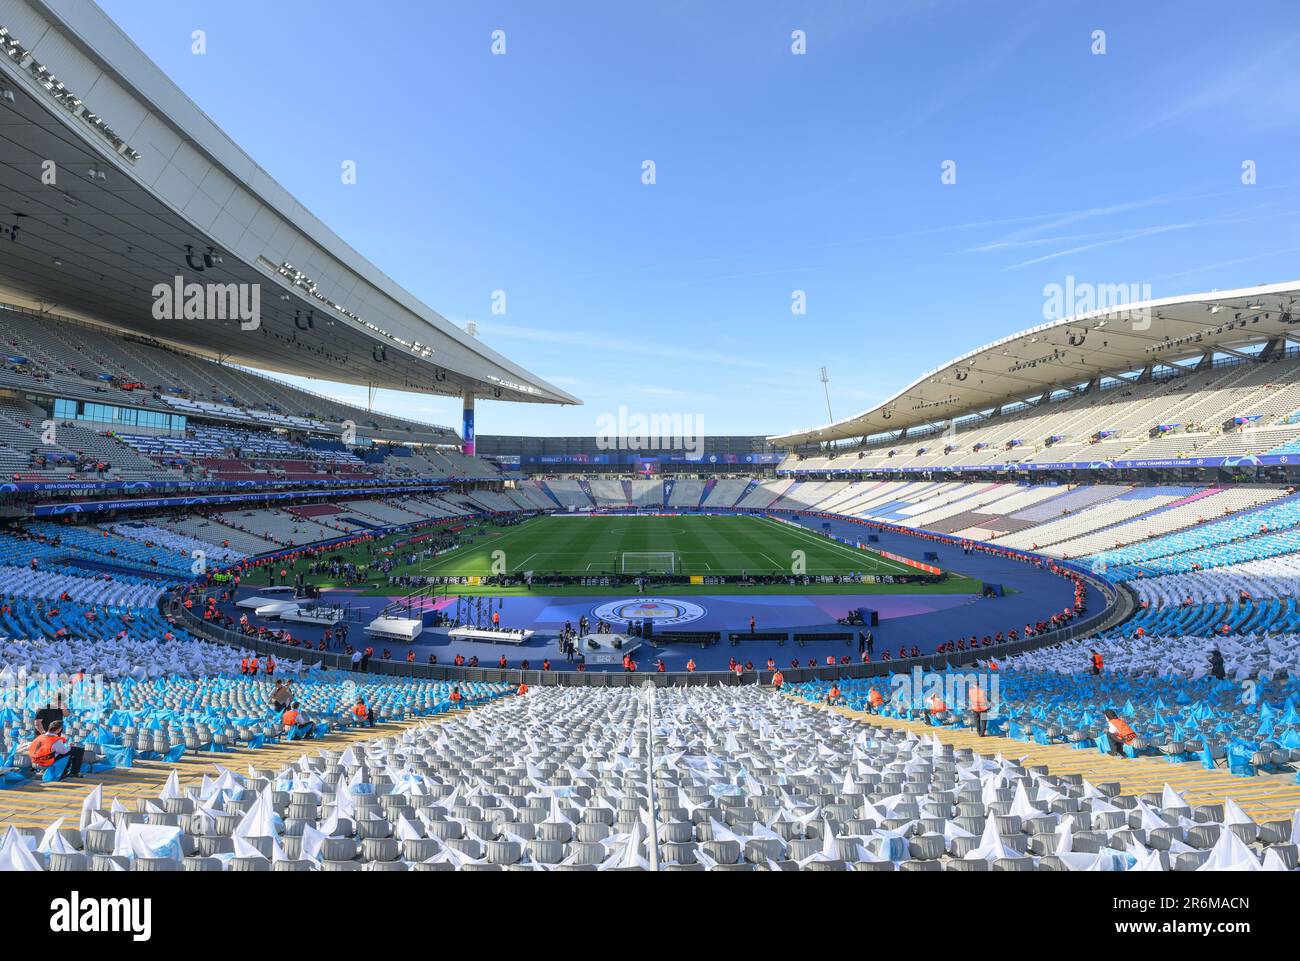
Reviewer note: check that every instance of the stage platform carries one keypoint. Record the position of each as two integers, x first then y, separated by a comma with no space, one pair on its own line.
323,615
490,637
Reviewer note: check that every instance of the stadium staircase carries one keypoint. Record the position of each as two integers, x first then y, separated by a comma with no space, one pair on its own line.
1191,498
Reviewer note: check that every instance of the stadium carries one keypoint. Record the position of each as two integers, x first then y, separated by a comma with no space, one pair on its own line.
1034,611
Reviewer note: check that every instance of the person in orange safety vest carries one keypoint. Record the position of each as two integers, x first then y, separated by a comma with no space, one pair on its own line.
363,714
1118,732
979,705
934,708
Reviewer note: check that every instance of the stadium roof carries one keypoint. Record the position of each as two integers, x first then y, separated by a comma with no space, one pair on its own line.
145,185
1070,354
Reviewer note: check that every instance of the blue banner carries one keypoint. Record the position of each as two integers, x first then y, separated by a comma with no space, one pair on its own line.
1243,460
150,503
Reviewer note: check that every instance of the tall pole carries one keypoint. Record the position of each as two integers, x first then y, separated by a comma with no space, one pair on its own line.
826,386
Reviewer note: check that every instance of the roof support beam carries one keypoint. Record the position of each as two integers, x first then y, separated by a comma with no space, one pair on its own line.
1274,347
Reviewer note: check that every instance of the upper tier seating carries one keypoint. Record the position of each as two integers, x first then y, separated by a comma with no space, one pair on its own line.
1195,404
85,361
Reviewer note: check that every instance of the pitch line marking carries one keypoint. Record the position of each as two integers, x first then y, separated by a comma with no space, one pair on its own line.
836,545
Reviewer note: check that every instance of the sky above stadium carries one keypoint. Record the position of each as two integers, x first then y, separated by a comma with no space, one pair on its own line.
913,176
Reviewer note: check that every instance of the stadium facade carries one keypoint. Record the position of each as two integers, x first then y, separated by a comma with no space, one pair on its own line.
1193,385
127,207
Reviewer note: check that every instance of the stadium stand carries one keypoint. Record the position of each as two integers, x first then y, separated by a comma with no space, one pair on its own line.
1113,421
1143,482
84,362
569,494
544,792
687,493
725,492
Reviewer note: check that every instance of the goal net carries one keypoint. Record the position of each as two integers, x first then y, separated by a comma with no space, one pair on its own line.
649,562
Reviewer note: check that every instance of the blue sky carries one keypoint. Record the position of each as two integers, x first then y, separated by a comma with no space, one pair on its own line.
775,173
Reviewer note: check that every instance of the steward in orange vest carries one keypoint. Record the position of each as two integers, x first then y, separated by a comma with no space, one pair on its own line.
41,750
1097,663
979,705
934,706
46,749
777,680
1118,732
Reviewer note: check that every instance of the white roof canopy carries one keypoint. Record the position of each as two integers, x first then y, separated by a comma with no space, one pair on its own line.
1065,354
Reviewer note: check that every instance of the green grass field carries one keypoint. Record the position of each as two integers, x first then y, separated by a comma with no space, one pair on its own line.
701,545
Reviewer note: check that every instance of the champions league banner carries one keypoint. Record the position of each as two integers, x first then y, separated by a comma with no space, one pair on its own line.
143,503
88,487
1247,460
467,431
634,458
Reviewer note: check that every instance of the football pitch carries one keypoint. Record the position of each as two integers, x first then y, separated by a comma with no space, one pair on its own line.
684,545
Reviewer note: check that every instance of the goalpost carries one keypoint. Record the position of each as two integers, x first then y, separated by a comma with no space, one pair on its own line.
648,562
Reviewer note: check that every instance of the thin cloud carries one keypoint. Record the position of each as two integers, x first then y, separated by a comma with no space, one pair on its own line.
608,346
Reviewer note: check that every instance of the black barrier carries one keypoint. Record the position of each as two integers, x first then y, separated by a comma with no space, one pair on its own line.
779,636
702,638
846,636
